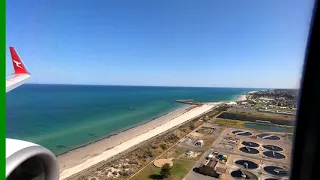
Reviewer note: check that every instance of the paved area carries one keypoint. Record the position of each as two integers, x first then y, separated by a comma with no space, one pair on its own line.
196,176
227,143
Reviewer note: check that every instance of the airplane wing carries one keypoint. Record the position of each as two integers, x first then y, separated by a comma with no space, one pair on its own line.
26,160
20,76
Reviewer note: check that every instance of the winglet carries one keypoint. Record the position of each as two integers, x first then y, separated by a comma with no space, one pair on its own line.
18,65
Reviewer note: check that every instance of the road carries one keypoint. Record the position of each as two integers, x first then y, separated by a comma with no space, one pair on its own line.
193,175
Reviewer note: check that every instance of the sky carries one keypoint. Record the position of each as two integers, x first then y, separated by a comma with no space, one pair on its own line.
211,43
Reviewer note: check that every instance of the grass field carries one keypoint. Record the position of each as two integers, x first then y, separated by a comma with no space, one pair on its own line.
181,165
228,123
208,142
267,115
179,169
241,124
258,106
175,152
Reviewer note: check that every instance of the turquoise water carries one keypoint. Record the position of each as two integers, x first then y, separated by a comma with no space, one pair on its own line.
63,117
265,127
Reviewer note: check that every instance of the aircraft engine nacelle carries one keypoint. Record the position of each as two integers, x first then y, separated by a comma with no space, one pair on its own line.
25,160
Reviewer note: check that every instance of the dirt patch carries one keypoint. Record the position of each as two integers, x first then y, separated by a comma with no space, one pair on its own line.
160,162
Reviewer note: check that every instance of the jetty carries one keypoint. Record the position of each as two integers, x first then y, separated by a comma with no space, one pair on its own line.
187,101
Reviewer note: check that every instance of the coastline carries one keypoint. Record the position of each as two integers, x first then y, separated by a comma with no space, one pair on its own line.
74,161
185,108
244,97
79,154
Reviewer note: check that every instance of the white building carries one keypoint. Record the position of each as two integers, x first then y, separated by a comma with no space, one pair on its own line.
231,103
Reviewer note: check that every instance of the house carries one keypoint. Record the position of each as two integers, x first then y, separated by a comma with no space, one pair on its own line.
231,103
244,103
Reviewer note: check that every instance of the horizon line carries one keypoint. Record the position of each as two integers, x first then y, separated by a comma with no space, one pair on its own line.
153,86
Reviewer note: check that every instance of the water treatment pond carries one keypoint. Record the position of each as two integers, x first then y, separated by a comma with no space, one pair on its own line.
267,127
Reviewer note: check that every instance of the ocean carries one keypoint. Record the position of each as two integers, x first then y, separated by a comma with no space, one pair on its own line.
64,117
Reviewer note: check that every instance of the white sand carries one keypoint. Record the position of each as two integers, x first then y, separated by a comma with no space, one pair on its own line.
251,92
242,98
266,99
80,155
106,154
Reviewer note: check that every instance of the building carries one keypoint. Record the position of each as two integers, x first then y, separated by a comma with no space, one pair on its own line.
220,168
244,103
231,103
208,168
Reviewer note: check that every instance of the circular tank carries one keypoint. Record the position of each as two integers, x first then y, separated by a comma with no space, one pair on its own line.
249,150
241,133
274,170
268,136
274,154
246,164
272,148
243,174
250,144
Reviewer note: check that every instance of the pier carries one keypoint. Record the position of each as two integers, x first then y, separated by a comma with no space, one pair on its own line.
186,101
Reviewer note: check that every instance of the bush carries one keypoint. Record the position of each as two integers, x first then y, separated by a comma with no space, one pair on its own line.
154,146
149,153
124,173
133,162
165,170
163,146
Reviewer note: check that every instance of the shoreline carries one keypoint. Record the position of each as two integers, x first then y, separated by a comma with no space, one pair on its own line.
244,97
75,161
76,155
185,107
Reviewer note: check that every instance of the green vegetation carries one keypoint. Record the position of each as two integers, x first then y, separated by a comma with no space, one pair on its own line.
267,115
258,106
178,151
241,124
150,172
229,123
163,146
149,153
222,108
165,170
192,127
279,109
221,130
208,142
179,169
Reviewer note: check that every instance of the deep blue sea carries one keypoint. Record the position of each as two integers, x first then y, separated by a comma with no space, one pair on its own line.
63,117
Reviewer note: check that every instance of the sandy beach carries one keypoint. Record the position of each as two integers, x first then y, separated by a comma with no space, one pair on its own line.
251,92
82,158
242,98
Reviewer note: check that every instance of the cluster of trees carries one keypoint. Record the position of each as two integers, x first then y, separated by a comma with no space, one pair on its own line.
165,171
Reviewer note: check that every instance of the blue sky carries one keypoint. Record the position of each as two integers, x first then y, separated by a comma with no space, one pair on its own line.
226,43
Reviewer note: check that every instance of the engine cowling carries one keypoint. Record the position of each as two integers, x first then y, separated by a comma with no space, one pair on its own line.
25,160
